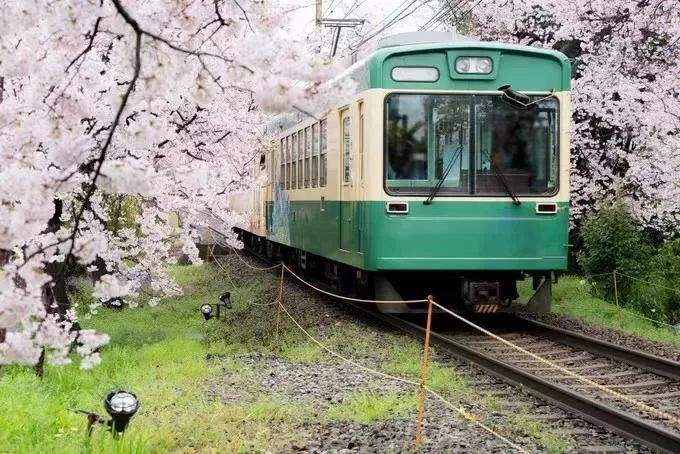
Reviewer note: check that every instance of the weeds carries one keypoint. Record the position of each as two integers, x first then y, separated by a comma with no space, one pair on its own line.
162,354
550,440
572,296
371,406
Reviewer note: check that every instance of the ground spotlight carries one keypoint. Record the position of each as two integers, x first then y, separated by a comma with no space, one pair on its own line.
224,301
121,405
207,311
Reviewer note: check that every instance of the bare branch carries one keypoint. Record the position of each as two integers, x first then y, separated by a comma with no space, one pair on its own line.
87,49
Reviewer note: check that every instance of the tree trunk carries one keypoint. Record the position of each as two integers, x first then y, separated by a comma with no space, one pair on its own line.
54,293
4,258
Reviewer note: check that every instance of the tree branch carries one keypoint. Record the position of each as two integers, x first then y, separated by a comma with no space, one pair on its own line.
89,44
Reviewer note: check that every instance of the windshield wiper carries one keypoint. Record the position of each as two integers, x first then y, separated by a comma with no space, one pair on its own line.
436,187
508,189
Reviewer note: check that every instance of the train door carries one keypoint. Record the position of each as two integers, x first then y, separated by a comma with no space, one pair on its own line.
261,198
346,214
359,190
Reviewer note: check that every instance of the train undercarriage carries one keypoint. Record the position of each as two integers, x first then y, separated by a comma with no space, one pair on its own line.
467,291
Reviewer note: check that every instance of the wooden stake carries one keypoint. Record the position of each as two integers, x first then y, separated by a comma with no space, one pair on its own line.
616,299
278,303
423,377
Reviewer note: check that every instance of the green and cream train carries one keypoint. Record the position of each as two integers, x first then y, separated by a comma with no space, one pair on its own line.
446,172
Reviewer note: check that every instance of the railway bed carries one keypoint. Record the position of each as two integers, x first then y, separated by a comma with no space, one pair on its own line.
653,373
654,381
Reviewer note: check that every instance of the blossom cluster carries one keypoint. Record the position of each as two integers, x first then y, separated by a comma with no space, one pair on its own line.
626,97
156,102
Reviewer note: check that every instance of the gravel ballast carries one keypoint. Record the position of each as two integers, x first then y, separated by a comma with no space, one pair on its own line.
330,382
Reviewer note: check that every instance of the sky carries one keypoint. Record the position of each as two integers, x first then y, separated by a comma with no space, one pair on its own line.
377,14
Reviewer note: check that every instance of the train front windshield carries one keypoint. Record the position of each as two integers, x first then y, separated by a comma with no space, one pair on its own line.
480,143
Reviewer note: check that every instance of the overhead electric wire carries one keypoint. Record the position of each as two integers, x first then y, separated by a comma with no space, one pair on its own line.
445,12
401,16
430,20
355,5
386,17
471,8
328,7
441,20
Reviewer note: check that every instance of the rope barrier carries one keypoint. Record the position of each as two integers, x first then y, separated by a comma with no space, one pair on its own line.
649,283
616,273
598,274
461,411
423,375
256,268
279,302
347,298
635,314
226,272
640,405
566,371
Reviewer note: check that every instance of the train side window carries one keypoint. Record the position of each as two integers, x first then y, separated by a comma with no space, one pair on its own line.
346,147
315,155
293,163
362,121
323,164
288,139
282,160
300,151
308,154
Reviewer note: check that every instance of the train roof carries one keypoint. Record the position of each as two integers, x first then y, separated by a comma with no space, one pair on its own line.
525,68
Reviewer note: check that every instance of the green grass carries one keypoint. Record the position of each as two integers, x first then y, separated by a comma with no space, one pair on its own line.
158,354
161,354
550,440
572,297
370,406
404,360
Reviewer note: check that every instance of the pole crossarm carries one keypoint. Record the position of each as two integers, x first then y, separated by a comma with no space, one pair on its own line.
341,22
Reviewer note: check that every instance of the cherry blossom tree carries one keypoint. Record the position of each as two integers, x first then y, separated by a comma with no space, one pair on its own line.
626,96
157,101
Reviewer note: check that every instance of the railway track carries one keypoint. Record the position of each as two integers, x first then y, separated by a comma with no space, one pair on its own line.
647,378
654,381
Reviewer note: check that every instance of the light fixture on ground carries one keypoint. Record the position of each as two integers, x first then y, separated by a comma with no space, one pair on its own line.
224,301
121,405
207,311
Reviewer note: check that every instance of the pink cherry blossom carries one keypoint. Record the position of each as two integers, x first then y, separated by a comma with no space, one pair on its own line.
160,102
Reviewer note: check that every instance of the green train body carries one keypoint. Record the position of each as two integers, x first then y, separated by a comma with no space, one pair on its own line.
349,197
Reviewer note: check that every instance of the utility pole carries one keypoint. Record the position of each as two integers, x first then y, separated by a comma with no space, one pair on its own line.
336,24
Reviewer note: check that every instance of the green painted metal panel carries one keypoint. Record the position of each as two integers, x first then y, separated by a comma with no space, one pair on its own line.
462,235
469,236
525,68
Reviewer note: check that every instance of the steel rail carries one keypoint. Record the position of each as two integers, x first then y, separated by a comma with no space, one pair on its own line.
642,360
587,408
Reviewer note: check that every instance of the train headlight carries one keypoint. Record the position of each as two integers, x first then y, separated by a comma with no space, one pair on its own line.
474,65
207,310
